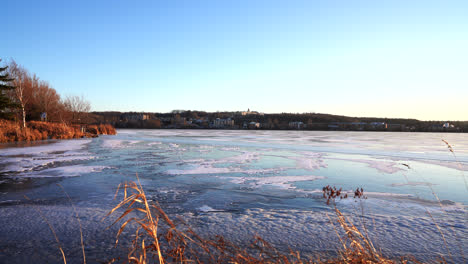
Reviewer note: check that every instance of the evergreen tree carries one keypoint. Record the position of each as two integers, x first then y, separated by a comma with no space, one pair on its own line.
5,101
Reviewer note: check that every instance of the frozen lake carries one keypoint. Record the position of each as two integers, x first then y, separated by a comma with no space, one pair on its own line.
238,184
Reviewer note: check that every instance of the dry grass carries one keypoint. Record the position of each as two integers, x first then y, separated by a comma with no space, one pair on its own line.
158,239
59,245
356,247
104,129
460,167
35,130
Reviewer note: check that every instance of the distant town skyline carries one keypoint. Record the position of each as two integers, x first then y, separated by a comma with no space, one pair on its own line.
397,59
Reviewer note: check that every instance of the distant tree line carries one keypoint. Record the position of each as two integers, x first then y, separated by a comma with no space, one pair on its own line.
311,121
25,97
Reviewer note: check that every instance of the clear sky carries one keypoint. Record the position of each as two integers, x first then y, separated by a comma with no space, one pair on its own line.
359,58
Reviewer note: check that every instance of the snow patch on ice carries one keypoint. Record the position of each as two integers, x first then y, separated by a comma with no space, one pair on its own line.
199,170
208,169
411,184
230,149
206,209
284,182
461,166
245,157
66,145
118,143
388,167
29,163
66,171
309,163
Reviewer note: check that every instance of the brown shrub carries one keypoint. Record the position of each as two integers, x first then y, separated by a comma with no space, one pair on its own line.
8,130
93,129
106,129
36,130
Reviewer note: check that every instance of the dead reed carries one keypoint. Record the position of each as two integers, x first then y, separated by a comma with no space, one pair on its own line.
59,245
460,167
158,239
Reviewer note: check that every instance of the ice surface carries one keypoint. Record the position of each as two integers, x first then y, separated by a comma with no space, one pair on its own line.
284,182
115,143
21,164
206,208
245,157
65,145
29,159
412,184
312,161
449,164
64,171
238,183
201,170
380,165
206,169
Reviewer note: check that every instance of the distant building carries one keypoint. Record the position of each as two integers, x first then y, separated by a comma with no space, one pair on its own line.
248,112
448,125
378,125
222,123
296,125
254,125
135,116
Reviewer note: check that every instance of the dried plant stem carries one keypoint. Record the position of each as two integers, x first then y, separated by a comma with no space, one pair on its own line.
52,230
79,222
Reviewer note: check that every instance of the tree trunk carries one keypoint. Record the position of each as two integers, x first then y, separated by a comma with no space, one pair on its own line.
24,116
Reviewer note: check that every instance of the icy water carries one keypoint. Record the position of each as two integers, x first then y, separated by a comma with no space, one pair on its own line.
238,184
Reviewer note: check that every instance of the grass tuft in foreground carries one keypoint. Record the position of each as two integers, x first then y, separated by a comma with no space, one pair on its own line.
159,240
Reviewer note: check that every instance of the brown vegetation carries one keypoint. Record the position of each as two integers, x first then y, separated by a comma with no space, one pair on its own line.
36,130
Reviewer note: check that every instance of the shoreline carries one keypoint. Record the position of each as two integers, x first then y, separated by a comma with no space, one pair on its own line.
38,131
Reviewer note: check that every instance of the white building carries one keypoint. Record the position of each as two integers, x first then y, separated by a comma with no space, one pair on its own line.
135,116
296,125
254,125
250,113
220,122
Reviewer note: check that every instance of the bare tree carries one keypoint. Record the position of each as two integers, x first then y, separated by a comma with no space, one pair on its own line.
47,100
78,107
22,82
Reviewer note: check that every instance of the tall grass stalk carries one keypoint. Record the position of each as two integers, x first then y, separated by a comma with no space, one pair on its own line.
79,222
158,239
52,230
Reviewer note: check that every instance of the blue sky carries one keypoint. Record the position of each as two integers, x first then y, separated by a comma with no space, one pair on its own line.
359,58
